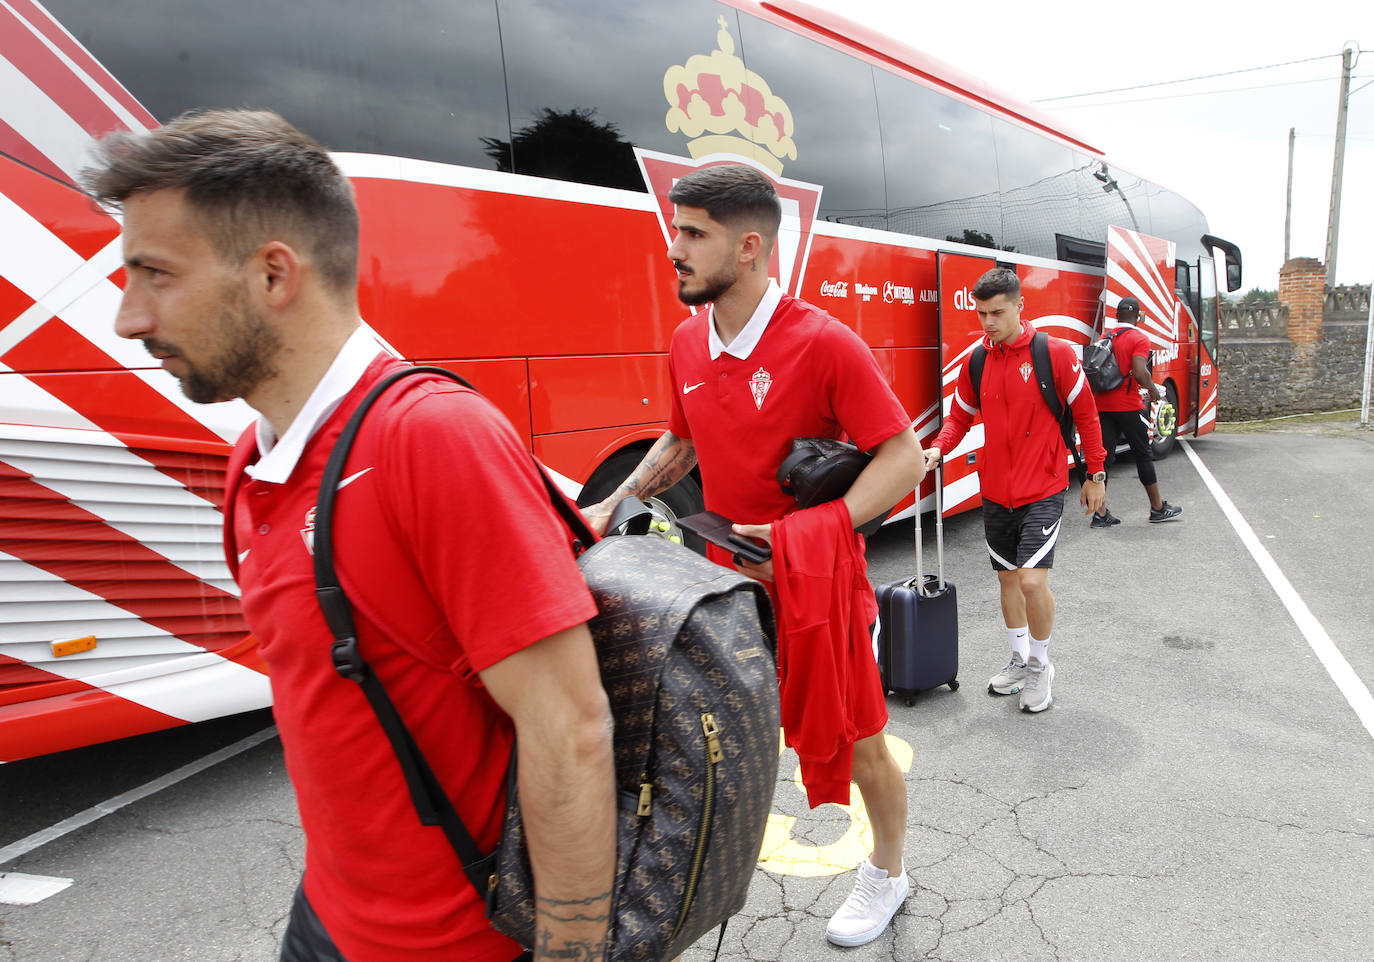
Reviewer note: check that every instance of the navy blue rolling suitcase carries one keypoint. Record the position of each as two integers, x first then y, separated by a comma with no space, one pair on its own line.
918,622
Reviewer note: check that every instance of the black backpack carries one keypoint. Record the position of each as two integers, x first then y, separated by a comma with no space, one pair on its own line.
687,652
1044,377
1099,365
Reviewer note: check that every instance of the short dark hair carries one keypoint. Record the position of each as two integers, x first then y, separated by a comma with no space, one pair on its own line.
253,177
999,280
735,195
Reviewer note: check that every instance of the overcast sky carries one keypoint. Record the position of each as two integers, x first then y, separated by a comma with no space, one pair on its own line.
1222,147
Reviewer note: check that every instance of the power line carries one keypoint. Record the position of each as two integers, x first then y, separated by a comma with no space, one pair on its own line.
1165,83
1199,93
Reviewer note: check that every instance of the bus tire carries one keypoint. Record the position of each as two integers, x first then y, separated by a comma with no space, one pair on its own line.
1164,424
680,500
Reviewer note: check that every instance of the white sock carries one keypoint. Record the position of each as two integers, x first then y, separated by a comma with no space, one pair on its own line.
1040,650
1020,641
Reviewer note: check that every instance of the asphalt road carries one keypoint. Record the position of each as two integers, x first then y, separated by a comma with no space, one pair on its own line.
1201,788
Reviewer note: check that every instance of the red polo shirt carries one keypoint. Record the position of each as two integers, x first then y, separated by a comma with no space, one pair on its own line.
453,559
808,376
1127,342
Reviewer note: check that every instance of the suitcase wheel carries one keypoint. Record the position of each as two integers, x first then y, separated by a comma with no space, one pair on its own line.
910,701
954,684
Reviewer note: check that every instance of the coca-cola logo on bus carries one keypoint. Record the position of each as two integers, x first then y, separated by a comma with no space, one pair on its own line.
834,288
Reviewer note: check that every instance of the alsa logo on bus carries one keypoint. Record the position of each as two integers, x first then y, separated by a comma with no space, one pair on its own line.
733,116
963,300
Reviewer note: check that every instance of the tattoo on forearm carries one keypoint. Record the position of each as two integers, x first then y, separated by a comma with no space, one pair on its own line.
665,464
594,910
572,949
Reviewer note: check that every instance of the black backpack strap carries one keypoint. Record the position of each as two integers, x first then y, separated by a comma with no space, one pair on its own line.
431,802
976,360
1044,376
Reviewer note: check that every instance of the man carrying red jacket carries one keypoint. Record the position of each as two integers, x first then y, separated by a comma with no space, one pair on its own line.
1023,475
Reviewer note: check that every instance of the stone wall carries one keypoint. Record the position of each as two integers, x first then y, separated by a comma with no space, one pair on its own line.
1305,354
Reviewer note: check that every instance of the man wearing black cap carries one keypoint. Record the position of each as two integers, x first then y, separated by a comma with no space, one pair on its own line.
1122,412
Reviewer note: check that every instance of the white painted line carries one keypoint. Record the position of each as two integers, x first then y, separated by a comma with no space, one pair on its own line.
1325,649
98,811
16,888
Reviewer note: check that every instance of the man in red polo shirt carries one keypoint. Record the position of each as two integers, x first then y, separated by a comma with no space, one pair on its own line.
241,245
749,375
1122,412
1023,474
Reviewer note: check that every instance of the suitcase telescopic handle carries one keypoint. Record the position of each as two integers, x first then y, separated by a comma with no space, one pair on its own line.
920,583
940,524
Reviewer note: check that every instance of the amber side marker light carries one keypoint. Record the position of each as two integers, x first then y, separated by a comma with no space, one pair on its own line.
76,645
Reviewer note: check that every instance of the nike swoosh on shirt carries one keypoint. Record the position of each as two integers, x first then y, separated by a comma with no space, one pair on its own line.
1076,367
689,389
351,478
244,554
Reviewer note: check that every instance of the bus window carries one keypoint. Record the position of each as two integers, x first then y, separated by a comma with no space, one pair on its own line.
831,98
1185,285
1111,196
1175,217
939,163
1038,187
354,74
586,82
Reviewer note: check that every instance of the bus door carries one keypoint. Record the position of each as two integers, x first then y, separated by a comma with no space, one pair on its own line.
1145,268
959,331
1204,354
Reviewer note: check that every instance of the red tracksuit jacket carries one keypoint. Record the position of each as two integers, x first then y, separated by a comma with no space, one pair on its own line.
1024,459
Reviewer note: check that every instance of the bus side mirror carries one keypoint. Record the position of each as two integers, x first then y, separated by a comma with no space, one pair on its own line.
1232,252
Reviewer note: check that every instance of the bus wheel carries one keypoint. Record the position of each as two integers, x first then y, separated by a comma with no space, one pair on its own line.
1164,423
680,500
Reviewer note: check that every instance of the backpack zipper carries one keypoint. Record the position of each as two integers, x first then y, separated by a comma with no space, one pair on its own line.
714,756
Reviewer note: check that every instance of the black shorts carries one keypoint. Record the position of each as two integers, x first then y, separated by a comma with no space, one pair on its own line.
1023,537
305,939
1135,428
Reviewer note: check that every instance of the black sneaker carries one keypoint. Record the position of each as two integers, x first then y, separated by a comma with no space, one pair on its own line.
1166,512
1109,519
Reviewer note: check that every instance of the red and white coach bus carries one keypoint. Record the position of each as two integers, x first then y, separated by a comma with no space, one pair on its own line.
511,160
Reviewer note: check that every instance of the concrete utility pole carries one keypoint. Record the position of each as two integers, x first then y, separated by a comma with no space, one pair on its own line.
1288,207
1333,224
1368,361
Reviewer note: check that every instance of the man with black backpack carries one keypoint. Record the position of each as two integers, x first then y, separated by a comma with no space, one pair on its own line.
241,246
1023,470
1122,412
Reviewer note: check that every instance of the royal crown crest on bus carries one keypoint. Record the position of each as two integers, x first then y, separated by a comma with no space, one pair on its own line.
732,115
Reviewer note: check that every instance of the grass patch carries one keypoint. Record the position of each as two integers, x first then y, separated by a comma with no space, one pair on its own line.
1321,420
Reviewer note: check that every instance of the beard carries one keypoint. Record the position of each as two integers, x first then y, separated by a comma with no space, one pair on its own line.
247,346
712,287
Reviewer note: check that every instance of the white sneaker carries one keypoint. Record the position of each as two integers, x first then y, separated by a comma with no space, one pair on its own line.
1035,696
876,898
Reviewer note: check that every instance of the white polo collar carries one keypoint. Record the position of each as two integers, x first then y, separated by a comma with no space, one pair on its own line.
277,458
748,338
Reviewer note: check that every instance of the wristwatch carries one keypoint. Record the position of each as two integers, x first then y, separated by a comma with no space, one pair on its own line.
1099,476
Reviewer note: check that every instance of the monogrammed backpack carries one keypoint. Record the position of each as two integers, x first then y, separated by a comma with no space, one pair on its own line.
687,654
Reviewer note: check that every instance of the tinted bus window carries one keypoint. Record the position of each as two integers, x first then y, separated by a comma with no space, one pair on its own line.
1177,220
586,82
941,171
355,75
1039,190
830,96
1109,196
